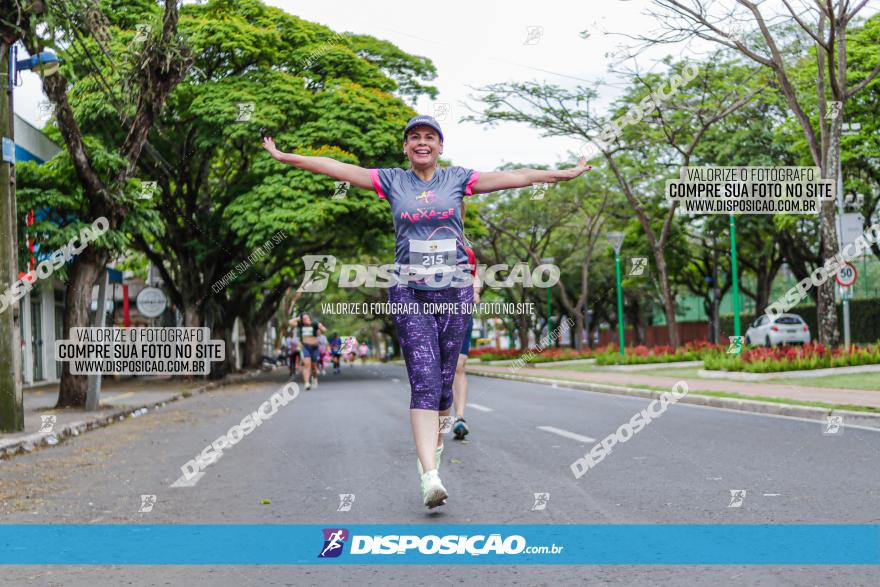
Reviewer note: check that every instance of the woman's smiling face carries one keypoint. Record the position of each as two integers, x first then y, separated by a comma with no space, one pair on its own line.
423,146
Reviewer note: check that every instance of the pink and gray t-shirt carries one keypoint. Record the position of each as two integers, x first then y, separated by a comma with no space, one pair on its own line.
427,219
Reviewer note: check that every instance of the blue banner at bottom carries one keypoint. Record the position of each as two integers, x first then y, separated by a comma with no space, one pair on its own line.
725,544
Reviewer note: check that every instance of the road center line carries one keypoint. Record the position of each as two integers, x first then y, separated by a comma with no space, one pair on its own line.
567,434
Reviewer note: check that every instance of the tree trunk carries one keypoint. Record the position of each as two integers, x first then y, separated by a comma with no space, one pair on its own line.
826,311
579,330
523,331
191,318
634,313
83,273
253,344
219,369
229,363
668,300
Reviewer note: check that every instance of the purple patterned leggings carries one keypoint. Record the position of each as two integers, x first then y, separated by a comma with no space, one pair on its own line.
431,342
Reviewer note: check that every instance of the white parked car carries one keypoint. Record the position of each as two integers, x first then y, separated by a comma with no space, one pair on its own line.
783,329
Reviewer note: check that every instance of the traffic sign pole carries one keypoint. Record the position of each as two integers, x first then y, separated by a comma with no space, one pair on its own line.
846,278
93,395
846,333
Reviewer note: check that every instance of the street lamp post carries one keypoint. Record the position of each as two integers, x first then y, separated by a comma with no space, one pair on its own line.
616,240
11,401
734,276
549,261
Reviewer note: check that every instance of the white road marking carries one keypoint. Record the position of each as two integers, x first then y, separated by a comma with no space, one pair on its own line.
567,434
184,482
479,408
772,494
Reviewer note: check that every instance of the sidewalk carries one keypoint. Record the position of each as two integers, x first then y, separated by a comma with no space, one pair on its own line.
120,398
834,396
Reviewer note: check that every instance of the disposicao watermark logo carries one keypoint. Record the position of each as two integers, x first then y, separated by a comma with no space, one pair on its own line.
346,500
334,540
628,429
55,261
833,425
319,269
737,496
147,503
541,500
831,267
212,453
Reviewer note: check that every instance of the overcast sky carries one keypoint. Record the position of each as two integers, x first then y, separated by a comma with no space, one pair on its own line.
473,44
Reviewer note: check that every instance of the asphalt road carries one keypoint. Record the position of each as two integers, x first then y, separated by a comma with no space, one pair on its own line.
352,436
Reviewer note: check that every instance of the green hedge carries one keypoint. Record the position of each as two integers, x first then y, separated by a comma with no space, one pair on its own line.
864,320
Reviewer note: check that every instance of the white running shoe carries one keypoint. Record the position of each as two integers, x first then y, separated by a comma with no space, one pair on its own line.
433,492
315,382
308,385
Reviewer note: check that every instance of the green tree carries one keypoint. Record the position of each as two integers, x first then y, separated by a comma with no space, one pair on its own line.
104,162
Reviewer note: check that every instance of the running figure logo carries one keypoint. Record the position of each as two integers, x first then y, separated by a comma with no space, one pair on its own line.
541,500
833,425
48,422
334,540
736,498
46,109
143,31
245,109
147,503
441,109
533,35
318,271
834,111
427,196
736,345
538,190
341,189
147,189
638,265
346,500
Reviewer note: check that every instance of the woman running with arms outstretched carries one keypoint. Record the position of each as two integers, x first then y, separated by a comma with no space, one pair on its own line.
426,210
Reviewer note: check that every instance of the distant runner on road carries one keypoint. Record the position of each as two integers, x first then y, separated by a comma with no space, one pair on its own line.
308,331
335,351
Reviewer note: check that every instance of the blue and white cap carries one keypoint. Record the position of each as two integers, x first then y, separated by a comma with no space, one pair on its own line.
423,120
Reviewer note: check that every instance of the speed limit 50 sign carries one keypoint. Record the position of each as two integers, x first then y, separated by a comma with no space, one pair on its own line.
847,275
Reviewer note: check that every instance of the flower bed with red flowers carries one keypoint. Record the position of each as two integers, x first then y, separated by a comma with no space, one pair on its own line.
691,351
793,358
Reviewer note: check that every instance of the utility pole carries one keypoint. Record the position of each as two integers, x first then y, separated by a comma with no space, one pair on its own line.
11,401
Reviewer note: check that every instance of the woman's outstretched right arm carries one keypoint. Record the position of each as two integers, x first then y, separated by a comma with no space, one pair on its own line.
353,174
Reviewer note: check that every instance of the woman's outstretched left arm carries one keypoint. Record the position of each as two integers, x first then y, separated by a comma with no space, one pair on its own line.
493,181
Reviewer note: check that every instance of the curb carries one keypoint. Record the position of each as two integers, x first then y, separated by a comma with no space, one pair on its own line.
851,418
26,444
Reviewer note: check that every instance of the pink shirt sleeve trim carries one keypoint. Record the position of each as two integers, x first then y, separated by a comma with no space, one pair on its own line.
475,177
374,176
